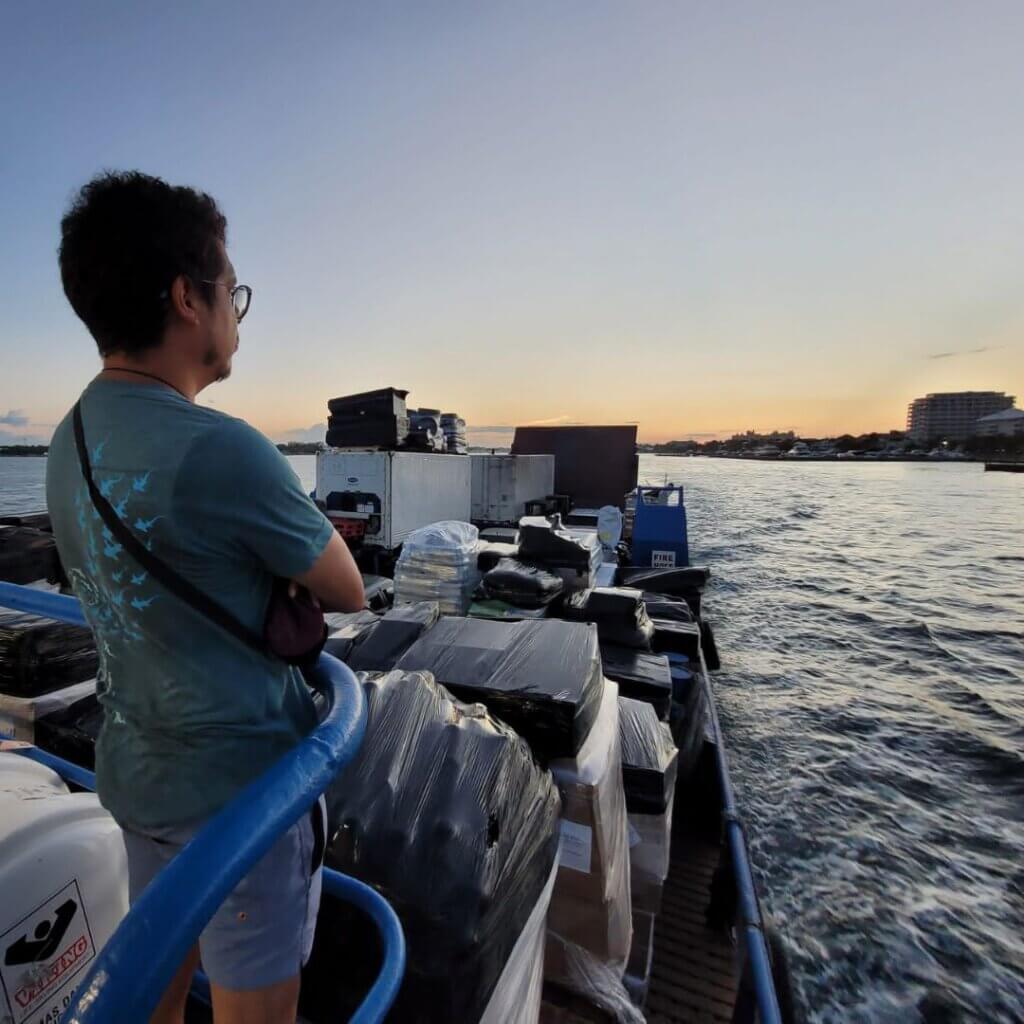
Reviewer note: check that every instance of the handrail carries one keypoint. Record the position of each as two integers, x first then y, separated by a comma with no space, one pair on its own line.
126,981
750,911
42,602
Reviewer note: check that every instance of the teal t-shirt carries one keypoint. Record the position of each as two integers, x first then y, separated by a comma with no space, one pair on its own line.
192,715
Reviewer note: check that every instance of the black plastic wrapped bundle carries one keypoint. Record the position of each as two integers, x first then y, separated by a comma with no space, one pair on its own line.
380,592
689,707
344,629
663,581
379,647
525,586
667,607
369,404
72,732
490,553
367,432
27,555
671,637
547,541
445,812
454,428
38,655
687,583
618,613
640,675
542,677
649,757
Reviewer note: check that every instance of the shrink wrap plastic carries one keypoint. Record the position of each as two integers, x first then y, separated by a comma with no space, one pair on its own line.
523,586
640,675
618,613
438,563
446,813
541,677
38,655
649,758
546,541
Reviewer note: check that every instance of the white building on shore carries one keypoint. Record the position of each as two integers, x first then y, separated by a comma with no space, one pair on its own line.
952,415
1007,423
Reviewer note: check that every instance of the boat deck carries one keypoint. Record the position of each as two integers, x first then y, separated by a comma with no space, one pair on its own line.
693,976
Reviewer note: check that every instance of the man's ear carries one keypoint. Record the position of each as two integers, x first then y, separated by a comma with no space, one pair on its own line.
184,300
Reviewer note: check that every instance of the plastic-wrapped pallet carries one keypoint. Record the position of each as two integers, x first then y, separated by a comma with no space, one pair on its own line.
575,555
590,907
27,555
641,957
71,731
378,648
640,675
438,563
454,428
446,813
21,717
618,613
517,995
590,992
542,677
521,585
649,758
38,655
344,630
649,769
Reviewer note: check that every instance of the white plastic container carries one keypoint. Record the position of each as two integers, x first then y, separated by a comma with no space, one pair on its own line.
63,889
503,484
394,493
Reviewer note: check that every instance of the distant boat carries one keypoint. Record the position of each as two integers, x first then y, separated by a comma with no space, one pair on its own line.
1004,467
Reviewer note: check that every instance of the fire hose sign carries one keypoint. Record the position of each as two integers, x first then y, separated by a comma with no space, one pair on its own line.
41,955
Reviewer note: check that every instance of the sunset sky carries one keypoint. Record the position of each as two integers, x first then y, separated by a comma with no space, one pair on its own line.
700,217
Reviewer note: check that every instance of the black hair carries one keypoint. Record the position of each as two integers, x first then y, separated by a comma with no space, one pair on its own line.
126,237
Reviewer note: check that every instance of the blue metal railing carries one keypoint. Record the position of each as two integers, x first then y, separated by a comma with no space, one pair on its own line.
755,942
136,965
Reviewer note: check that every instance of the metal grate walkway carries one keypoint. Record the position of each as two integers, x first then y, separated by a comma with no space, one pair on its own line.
693,976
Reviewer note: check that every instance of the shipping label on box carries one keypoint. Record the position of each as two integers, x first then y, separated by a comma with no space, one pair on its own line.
575,846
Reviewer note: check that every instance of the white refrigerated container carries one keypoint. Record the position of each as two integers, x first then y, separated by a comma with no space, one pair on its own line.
503,484
394,493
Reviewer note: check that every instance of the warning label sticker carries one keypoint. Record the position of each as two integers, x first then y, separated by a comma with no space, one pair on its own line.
42,954
663,559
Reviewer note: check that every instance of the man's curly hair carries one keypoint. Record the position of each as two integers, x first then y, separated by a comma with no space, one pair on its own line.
126,237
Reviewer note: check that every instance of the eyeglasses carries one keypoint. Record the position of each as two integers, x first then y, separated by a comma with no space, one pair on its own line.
241,296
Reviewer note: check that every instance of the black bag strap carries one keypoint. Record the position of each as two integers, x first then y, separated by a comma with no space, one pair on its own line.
176,584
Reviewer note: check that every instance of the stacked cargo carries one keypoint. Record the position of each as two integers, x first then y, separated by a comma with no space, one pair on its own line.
380,419
575,555
445,812
438,563
649,769
372,419
454,427
590,921
425,434
542,678
513,590
523,836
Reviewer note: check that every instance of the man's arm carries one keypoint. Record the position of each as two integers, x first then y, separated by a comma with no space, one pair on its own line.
334,578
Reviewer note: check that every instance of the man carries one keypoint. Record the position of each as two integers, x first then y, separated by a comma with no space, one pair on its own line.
192,714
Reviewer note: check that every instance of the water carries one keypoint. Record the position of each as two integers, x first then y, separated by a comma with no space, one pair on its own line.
871,625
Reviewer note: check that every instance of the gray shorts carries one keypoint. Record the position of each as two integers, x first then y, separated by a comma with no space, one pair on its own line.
263,933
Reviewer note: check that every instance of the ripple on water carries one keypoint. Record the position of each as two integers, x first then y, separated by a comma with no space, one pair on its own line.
871,625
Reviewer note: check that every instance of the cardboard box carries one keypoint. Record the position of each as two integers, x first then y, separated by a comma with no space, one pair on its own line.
590,906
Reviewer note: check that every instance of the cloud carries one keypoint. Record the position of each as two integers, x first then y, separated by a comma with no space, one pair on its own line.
964,352
500,428
316,432
15,418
